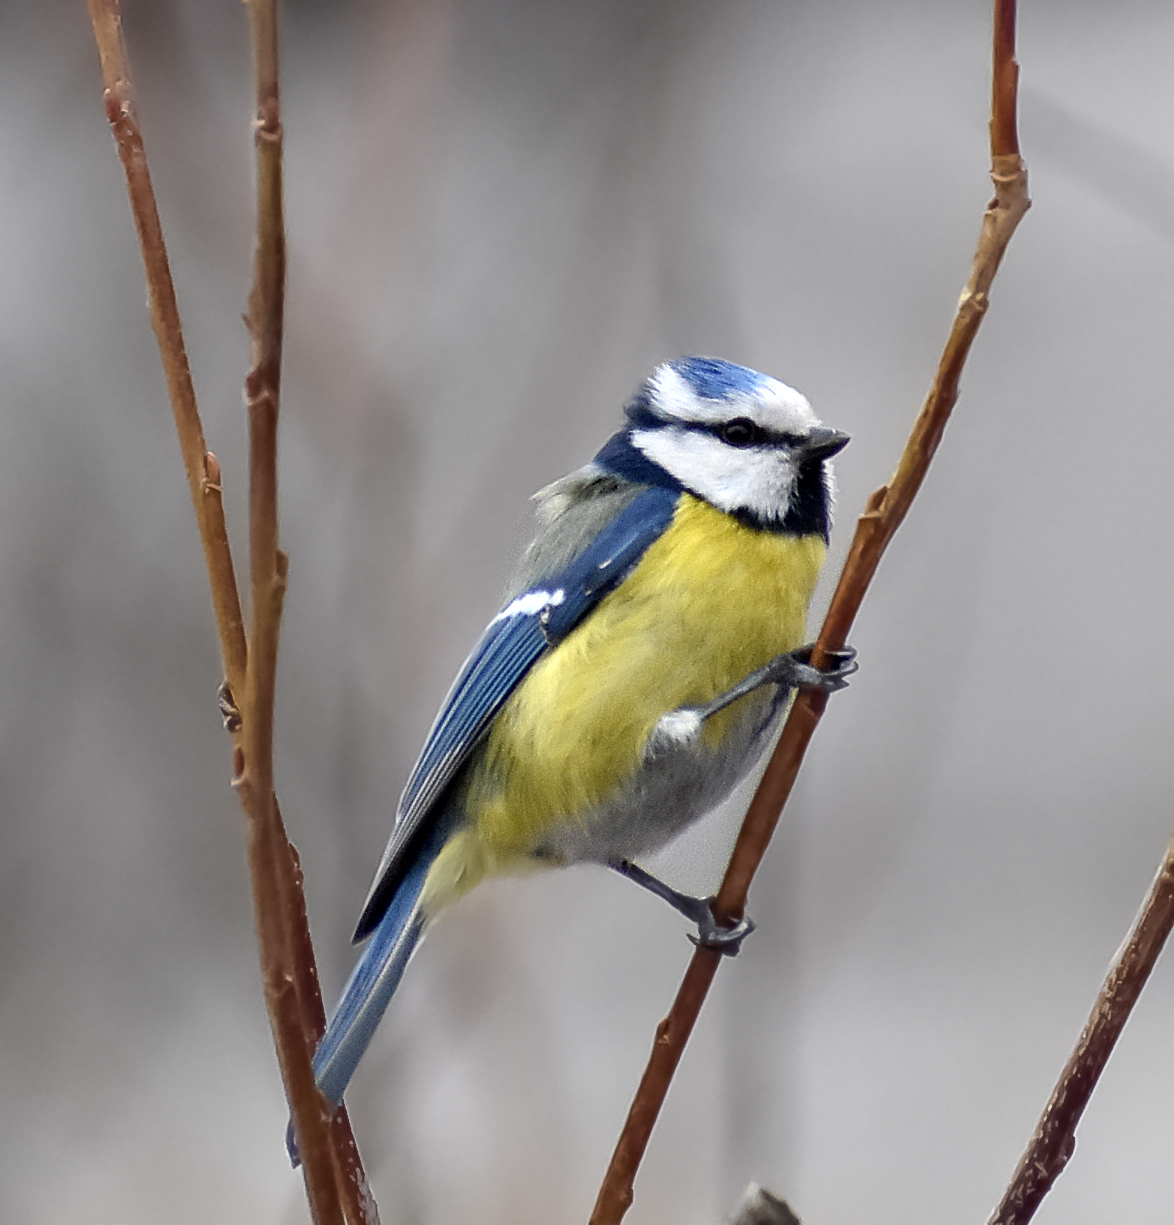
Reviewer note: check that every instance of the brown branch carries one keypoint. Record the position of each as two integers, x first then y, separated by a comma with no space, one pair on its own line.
271,864
1055,1135
288,970
357,1201
1004,82
874,529
203,472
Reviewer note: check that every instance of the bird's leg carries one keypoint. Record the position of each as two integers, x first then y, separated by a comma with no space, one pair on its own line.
790,670
710,934
682,726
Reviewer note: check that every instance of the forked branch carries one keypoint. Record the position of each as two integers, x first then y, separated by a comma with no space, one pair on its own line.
875,528
336,1184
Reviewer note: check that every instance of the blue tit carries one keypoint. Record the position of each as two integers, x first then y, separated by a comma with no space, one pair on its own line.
642,659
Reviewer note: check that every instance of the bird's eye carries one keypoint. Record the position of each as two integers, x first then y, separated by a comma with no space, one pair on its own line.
741,432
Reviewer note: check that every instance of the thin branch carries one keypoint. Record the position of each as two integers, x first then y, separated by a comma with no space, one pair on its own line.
1055,1135
1004,83
357,1201
270,860
288,970
203,472
874,529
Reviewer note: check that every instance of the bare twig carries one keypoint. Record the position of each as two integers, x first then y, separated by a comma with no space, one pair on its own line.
1055,1135
357,1201
203,472
270,859
288,969
874,529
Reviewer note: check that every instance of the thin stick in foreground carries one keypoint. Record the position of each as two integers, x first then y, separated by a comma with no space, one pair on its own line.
875,528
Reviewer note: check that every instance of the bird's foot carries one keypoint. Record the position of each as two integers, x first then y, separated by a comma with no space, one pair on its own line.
710,933
795,668
713,935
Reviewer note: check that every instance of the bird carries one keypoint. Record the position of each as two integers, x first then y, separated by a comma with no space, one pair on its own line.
644,654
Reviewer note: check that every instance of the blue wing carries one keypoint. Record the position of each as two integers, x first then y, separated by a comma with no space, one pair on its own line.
515,639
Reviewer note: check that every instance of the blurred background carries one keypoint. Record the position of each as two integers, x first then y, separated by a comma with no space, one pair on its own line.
501,214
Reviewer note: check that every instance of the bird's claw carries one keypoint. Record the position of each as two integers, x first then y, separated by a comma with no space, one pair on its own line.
712,935
832,678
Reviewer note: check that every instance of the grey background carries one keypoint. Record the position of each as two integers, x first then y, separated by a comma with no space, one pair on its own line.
501,215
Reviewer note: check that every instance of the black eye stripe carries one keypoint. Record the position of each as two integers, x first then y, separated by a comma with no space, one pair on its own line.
743,432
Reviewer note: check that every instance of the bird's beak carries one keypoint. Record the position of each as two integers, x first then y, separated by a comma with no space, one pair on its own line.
822,444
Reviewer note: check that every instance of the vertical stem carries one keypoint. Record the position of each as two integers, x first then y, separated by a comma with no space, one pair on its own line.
288,972
269,851
351,1179
203,472
1005,83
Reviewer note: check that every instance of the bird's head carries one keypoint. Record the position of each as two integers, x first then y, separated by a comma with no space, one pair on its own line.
742,441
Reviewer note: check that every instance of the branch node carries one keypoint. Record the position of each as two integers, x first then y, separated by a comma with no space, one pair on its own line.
267,125
975,300
211,482
229,711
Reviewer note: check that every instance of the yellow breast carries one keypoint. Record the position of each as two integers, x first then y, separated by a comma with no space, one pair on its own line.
710,601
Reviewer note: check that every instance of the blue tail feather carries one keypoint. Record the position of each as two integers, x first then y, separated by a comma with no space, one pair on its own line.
367,994
374,979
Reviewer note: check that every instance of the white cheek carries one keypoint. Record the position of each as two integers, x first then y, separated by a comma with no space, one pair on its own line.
754,479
